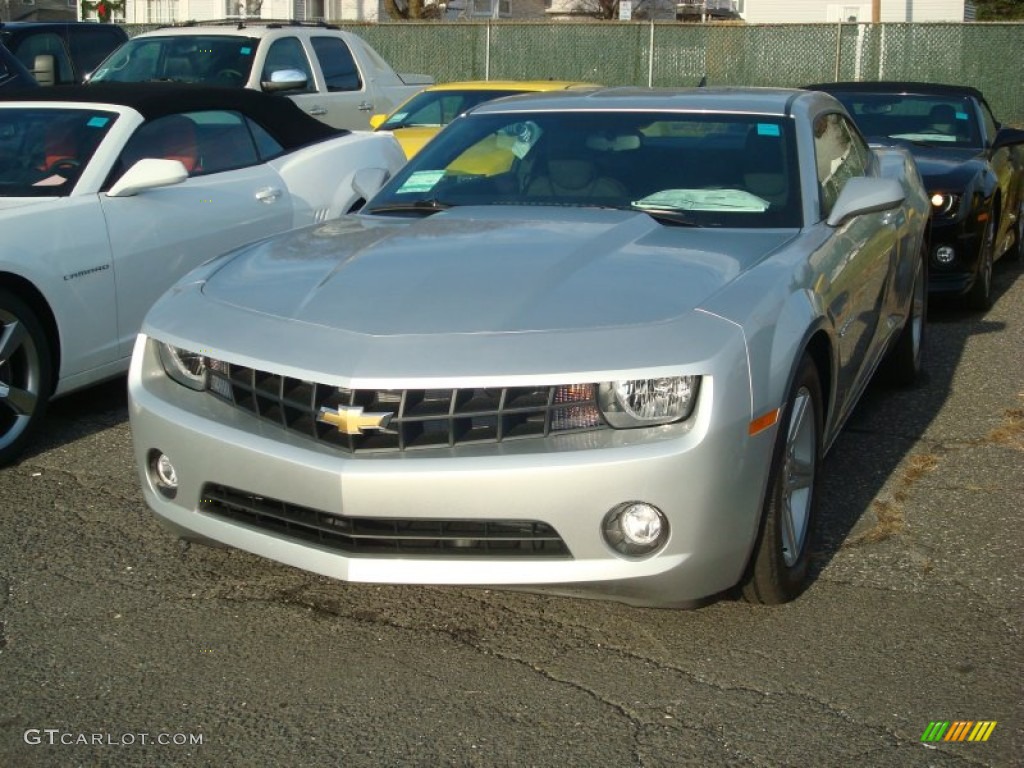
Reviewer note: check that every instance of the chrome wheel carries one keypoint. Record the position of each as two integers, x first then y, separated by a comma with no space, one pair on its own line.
798,477
25,373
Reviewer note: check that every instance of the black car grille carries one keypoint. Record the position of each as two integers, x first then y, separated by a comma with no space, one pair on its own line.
374,536
419,418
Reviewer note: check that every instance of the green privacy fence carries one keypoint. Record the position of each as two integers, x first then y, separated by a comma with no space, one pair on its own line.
986,56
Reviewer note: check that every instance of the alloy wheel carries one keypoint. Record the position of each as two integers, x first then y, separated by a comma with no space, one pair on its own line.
21,377
798,477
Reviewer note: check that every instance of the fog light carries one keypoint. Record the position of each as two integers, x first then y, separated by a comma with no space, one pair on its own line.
635,528
944,254
163,474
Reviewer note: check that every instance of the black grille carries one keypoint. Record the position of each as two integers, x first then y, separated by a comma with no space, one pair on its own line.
419,418
365,535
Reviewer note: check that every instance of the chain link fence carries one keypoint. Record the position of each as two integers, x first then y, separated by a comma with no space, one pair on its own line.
986,56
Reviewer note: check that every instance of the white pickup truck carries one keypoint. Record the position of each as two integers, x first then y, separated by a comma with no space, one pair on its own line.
334,75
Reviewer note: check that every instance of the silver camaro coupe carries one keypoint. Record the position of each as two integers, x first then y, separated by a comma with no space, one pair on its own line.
587,343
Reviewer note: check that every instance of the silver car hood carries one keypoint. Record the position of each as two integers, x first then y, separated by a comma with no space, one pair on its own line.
488,271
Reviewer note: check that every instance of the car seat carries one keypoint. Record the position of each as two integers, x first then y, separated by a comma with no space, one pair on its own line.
764,168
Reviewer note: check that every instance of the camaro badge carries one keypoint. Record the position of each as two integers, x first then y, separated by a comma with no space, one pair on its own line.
350,419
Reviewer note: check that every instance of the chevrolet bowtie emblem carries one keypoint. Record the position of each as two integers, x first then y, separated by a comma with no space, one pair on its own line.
350,419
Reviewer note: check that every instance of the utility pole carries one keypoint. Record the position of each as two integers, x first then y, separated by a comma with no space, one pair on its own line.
876,11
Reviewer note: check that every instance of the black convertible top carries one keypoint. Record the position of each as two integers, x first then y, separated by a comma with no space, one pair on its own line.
279,115
896,87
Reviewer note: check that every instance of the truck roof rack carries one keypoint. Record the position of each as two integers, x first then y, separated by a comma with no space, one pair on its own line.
242,23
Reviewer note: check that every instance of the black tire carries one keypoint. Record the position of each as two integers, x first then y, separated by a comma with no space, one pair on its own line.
26,375
980,295
1016,252
903,365
780,565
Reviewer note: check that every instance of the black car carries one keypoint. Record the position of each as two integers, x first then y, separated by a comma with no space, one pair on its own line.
972,167
60,52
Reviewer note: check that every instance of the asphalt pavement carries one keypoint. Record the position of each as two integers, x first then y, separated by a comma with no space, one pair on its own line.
121,647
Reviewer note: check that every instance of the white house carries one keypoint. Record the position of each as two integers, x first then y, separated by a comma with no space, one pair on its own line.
813,11
752,11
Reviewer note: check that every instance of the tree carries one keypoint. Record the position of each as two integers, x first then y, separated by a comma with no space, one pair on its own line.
411,10
609,9
999,10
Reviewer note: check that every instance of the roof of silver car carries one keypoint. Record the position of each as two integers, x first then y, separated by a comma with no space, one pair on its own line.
767,101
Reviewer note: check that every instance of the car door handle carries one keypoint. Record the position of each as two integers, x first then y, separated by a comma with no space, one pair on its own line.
366,107
268,195
318,110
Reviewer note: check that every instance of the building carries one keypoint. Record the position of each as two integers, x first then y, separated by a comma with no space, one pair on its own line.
38,10
816,11
751,11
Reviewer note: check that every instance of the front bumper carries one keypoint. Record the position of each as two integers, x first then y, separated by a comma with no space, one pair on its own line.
957,278
706,475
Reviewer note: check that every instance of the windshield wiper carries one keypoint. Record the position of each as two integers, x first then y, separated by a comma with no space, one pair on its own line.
669,216
425,207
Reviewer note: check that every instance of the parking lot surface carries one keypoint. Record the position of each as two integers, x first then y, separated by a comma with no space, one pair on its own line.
121,647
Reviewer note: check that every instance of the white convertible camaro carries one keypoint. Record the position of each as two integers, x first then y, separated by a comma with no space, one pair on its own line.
110,193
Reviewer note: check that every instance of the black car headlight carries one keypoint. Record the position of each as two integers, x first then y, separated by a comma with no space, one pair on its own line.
648,402
945,203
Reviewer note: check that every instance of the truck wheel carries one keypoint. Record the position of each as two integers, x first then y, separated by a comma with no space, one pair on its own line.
780,565
25,375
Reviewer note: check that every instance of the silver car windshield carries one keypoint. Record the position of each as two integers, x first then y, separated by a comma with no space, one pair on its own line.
209,59
698,169
43,151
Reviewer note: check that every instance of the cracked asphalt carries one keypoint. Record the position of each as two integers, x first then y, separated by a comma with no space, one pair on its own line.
113,635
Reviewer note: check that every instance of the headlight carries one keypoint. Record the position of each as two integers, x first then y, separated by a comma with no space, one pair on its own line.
945,203
648,402
189,369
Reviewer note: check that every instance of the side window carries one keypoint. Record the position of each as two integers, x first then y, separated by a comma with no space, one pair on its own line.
90,45
288,53
46,44
205,142
173,137
224,141
339,68
266,145
991,125
840,155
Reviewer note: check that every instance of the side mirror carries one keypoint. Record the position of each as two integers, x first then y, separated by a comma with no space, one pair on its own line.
376,121
863,194
44,67
368,181
1007,137
285,80
148,173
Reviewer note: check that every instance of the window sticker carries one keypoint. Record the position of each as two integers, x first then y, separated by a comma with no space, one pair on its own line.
98,122
768,129
961,115
246,50
421,181
399,116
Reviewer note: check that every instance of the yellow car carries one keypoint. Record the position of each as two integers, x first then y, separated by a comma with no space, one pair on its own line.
421,117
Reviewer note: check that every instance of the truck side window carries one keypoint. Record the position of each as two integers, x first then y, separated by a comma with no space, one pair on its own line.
90,45
46,44
288,53
339,68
